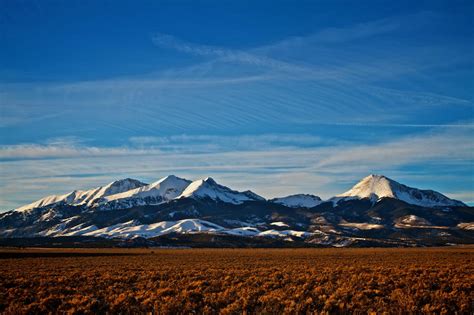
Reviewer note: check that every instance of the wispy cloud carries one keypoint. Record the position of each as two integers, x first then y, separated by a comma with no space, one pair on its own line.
439,148
357,31
362,30
74,147
337,67
213,143
38,151
217,103
223,54
408,125
272,169
256,87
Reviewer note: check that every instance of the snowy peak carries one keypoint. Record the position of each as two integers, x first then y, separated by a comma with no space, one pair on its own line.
210,181
298,201
168,187
209,188
87,197
375,187
49,200
163,190
91,196
121,185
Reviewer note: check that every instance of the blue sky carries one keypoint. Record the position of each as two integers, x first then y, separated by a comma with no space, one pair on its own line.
276,96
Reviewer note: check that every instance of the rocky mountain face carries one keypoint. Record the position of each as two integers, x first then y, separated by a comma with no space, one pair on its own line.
174,211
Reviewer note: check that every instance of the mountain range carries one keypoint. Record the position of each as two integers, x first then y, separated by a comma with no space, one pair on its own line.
173,211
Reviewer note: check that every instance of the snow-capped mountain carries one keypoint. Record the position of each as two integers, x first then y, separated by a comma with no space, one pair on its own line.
163,190
209,188
298,201
87,197
376,187
377,211
127,193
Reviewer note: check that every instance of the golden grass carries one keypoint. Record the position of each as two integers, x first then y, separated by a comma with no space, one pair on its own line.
233,281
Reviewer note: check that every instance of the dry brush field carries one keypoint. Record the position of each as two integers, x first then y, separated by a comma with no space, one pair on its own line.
234,281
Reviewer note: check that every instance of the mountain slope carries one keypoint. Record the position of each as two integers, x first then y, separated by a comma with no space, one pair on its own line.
87,197
209,188
376,187
163,190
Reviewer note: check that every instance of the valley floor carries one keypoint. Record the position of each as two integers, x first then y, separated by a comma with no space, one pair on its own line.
231,281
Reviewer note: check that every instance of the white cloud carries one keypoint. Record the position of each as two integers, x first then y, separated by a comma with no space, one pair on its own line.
206,143
448,147
38,151
270,170
466,196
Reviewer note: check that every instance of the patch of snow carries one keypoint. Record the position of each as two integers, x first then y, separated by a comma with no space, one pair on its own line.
362,226
298,201
50,215
67,220
54,230
243,231
7,232
285,233
78,230
413,220
280,224
466,225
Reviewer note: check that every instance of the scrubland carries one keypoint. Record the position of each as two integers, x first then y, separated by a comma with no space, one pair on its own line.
235,281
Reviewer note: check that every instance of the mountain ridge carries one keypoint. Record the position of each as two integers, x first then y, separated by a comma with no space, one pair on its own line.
376,210
373,187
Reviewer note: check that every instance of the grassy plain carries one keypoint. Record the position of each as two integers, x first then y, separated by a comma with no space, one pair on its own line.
235,281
